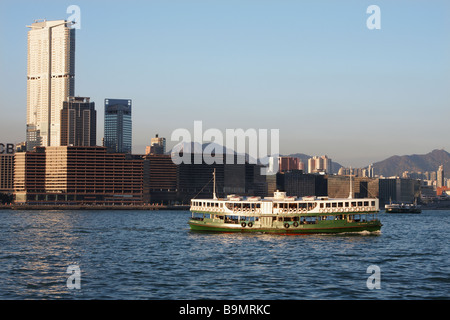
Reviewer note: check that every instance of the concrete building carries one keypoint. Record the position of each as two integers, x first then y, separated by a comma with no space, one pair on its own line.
157,146
320,165
289,163
7,173
78,122
50,79
440,177
160,179
296,183
362,187
77,175
398,190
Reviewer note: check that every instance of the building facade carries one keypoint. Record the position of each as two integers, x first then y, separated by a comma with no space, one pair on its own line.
50,79
319,165
6,173
77,175
440,182
118,130
160,179
157,146
289,163
78,122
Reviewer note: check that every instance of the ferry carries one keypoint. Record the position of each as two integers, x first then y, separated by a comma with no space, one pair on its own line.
282,214
402,208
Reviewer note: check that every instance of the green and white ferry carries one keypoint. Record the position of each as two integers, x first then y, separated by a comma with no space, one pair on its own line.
282,214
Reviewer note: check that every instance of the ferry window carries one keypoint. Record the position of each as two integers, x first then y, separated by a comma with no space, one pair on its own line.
328,205
340,204
321,205
353,204
360,203
373,203
346,204
334,204
366,203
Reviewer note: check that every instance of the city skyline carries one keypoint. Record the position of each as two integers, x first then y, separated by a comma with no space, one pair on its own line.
313,70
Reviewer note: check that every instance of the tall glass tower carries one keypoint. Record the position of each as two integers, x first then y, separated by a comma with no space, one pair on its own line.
117,136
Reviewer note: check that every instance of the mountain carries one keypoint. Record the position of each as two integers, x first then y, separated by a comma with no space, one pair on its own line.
396,165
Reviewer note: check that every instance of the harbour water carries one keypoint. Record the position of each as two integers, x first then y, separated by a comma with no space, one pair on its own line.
153,255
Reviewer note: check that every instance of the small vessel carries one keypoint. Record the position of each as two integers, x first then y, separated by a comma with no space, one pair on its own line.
402,208
282,214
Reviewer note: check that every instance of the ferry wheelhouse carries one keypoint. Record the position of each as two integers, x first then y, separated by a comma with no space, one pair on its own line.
285,215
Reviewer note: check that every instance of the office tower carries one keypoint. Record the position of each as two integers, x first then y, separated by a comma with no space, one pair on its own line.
157,146
78,122
50,79
440,177
118,125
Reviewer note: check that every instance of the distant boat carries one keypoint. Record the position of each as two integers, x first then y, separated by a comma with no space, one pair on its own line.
402,208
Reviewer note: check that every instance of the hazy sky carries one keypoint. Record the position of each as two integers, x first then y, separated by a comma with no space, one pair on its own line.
311,69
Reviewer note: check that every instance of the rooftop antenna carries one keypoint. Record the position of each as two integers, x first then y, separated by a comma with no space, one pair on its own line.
214,185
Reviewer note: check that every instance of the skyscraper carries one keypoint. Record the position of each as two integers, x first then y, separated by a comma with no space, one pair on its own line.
50,79
440,177
78,122
117,136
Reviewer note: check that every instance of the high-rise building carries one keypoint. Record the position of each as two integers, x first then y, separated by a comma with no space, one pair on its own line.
118,132
78,122
440,177
157,146
319,165
289,163
50,79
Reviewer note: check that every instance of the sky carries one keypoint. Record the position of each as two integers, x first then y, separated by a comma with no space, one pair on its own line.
312,69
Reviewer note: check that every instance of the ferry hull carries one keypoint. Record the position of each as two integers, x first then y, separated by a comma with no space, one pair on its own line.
371,226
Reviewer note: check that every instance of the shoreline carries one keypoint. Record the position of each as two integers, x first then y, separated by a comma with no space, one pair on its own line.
94,207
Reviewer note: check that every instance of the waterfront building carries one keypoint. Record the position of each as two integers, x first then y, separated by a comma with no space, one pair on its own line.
296,183
78,122
398,190
195,180
29,175
160,179
77,175
362,187
118,130
50,79
6,173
